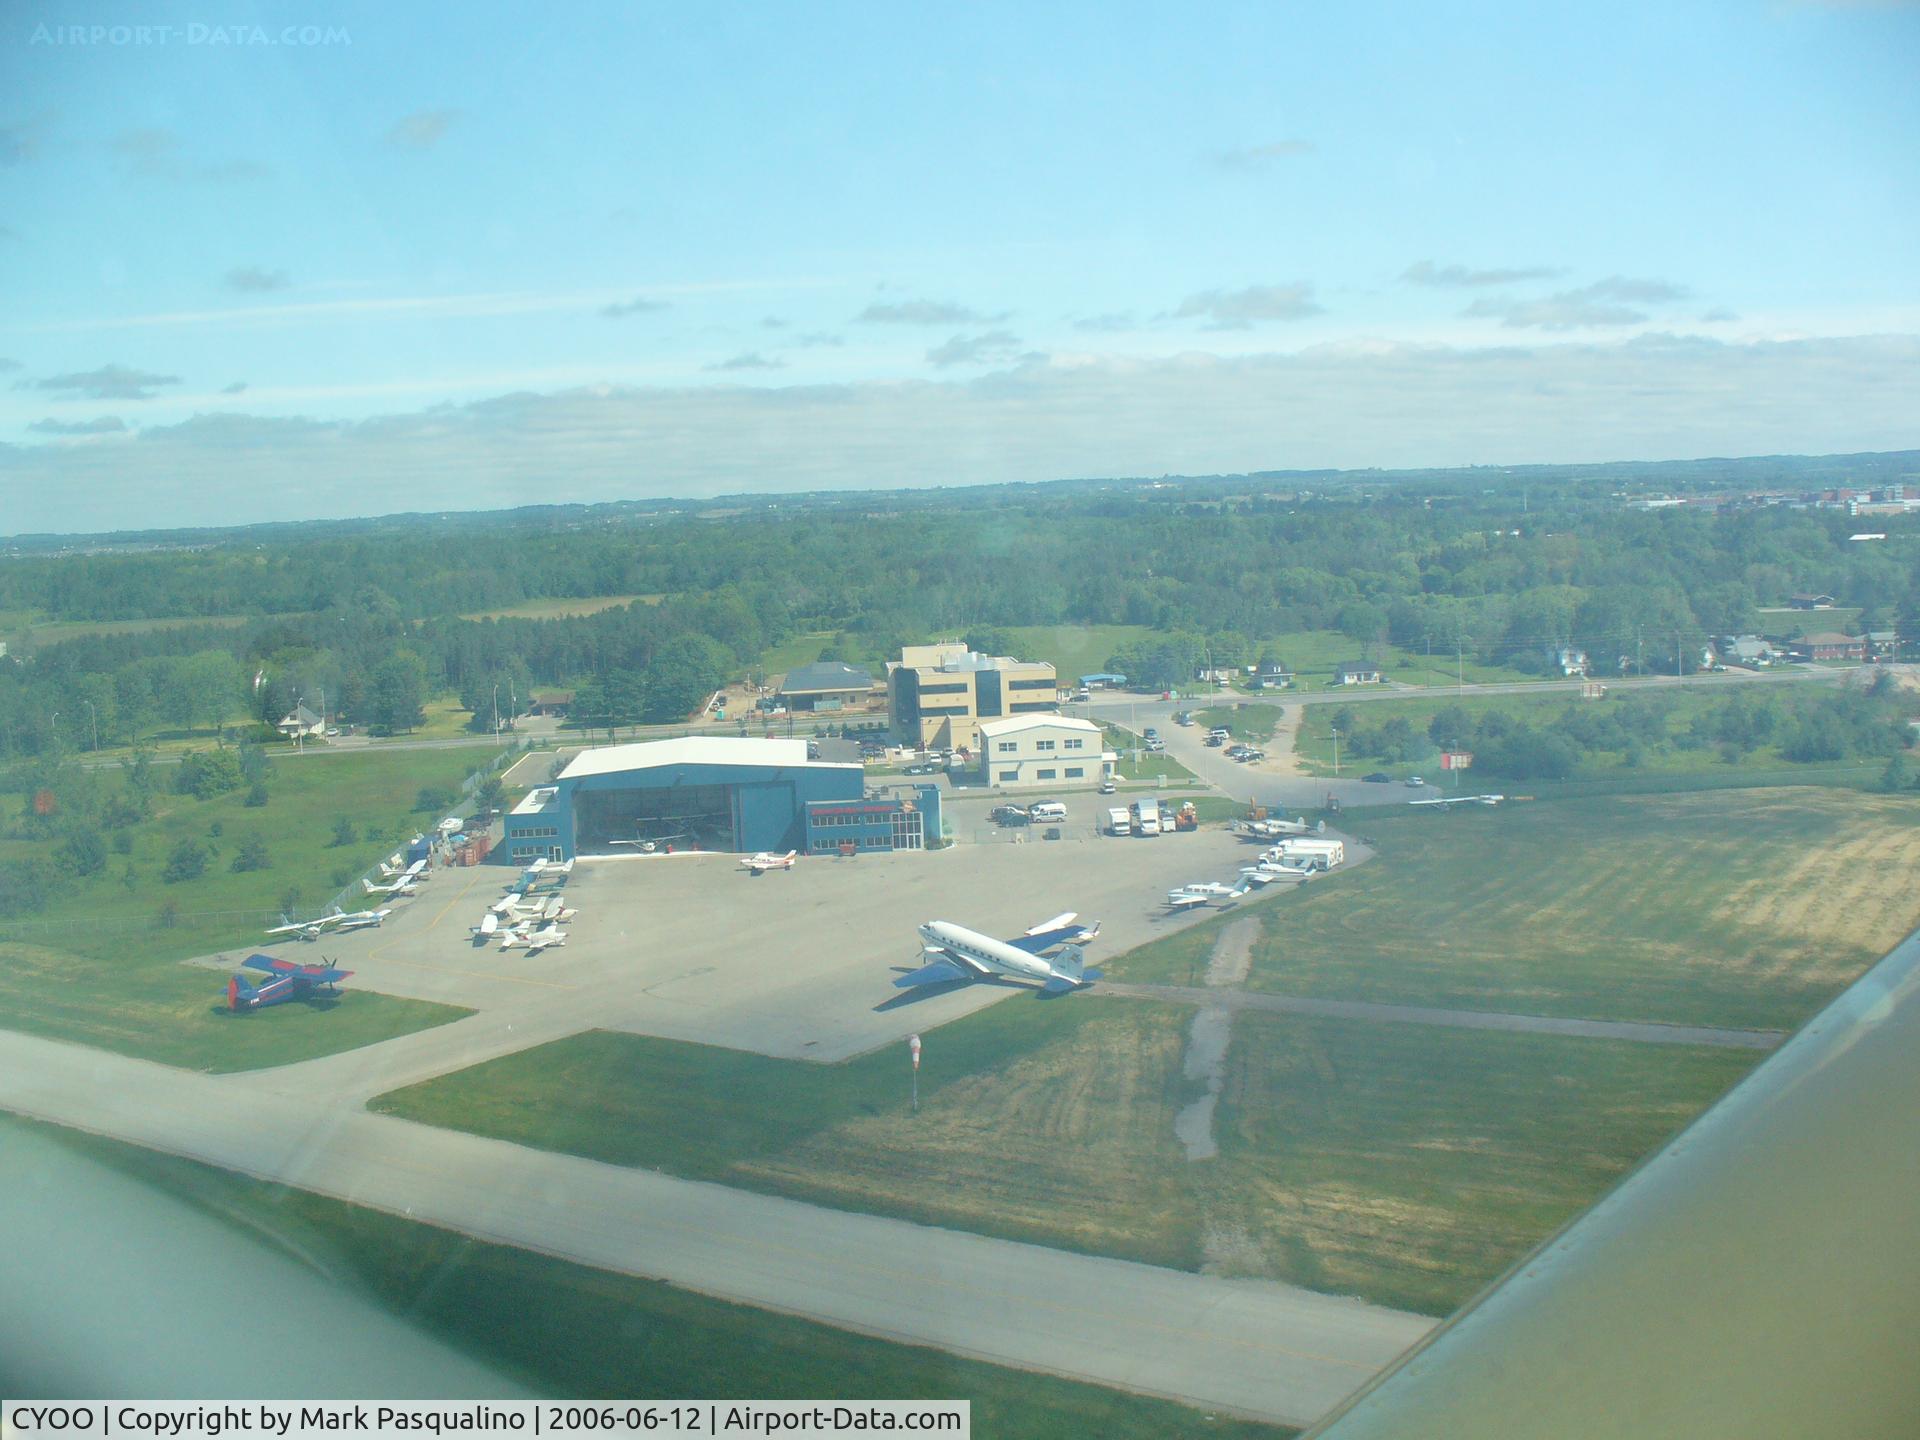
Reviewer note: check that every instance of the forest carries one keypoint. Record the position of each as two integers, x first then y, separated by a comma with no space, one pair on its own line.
1492,566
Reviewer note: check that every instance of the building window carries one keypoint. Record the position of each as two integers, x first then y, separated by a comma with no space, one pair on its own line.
1076,744
1043,744
1075,772
1043,775
1009,774
1006,747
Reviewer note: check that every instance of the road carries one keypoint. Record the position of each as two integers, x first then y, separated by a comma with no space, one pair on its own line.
1642,1032
1251,1348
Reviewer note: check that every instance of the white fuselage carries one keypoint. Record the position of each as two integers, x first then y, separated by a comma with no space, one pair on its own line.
984,951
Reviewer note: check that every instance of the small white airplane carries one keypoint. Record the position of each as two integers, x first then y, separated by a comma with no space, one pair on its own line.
1195,897
763,862
545,872
403,886
489,924
391,870
957,953
557,908
534,941
1267,871
308,929
1445,801
1273,829
361,919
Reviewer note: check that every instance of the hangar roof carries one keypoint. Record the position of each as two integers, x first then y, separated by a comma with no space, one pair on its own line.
695,750
825,675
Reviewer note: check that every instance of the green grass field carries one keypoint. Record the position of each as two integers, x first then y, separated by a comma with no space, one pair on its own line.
1314,654
1784,621
1252,720
569,1331
1408,1165
1161,768
1076,650
99,966
50,632
561,606
1741,908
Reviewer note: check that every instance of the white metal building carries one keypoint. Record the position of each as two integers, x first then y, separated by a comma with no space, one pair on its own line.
1043,750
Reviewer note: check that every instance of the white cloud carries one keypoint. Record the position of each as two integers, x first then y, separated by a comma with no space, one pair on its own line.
1238,309
748,360
421,130
254,279
922,312
995,347
1612,301
1262,157
1425,272
1336,406
109,382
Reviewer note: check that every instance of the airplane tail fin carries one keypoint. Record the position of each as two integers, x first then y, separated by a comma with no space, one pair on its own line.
1070,963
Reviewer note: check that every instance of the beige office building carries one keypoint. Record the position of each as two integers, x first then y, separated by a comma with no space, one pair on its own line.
939,694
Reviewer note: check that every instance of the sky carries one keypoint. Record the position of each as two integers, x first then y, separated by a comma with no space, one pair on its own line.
279,262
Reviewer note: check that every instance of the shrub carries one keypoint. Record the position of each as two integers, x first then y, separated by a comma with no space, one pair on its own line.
256,796
186,861
343,831
204,774
252,855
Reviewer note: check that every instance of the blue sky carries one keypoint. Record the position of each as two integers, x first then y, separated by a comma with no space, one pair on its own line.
269,262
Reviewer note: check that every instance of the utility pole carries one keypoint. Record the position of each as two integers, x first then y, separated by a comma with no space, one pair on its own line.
1639,641
496,710
1460,661
1678,667
96,724
1334,731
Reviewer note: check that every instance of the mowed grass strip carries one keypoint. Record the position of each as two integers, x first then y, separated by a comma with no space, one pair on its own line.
1042,1120
1413,1165
1744,909
177,1014
567,1330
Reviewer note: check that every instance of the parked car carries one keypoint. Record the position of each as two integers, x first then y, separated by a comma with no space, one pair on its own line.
923,767
1378,777
1415,782
1007,815
1107,787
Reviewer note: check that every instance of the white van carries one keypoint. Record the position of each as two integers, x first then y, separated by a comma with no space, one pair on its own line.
1047,812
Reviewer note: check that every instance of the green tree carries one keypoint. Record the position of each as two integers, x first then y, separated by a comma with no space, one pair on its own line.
186,861
256,795
252,855
343,831
398,692
83,851
206,773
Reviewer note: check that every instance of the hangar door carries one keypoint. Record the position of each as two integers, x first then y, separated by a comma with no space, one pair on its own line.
684,816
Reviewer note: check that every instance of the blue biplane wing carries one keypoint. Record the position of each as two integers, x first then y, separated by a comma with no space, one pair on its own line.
272,964
324,974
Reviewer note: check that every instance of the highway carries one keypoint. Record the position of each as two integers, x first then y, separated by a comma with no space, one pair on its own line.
1251,1348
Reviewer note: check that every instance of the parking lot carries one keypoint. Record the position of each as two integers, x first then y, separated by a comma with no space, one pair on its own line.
794,963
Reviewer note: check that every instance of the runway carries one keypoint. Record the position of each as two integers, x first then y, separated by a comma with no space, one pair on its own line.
1250,1348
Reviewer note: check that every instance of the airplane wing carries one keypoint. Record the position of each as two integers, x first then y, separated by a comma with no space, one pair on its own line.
943,971
272,964
324,974
1058,922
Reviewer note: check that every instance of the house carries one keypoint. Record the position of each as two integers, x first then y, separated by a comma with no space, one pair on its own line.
1829,645
1271,675
1357,672
1811,602
302,723
1883,645
1567,660
1746,650
550,702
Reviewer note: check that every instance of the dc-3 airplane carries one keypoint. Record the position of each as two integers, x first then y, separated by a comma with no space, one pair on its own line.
1448,801
291,981
763,862
957,953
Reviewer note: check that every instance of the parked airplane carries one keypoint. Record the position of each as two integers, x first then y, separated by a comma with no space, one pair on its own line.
763,862
1445,801
308,929
416,871
361,919
1195,897
534,941
291,981
489,923
403,886
957,953
545,872
557,908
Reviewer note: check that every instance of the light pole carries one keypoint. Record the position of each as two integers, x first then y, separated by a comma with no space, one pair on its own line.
1335,732
496,709
96,724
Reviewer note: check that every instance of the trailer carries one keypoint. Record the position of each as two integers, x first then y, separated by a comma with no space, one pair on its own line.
1119,822
1145,818
1327,853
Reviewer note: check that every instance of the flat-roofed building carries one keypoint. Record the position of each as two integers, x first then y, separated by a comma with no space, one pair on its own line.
1043,750
940,694
825,685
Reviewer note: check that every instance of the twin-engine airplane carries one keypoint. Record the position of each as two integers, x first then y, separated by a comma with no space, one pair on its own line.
763,862
291,981
1207,892
1448,801
332,920
957,953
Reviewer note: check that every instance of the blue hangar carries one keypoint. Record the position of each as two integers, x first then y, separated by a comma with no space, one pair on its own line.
711,793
